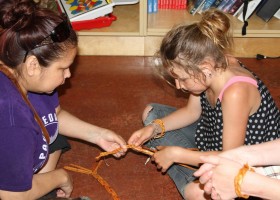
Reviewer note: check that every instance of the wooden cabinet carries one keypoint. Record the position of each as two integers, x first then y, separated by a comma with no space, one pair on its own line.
137,33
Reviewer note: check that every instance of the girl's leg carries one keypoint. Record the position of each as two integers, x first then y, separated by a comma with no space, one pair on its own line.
59,146
194,191
183,137
52,162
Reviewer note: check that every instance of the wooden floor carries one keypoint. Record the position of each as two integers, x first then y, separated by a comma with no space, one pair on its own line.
111,92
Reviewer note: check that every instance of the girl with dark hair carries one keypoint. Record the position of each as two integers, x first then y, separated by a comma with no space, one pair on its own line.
228,105
37,47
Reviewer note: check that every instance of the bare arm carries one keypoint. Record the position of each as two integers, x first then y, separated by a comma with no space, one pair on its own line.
185,115
71,126
41,185
174,154
258,185
256,155
239,101
220,172
178,119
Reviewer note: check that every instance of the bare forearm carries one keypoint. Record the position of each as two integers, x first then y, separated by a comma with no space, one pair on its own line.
257,155
41,185
191,157
261,186
71,126
185,115
58,178
265,153
179,119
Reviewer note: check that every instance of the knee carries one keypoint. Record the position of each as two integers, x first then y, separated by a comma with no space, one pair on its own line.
146,112
194,191
52,162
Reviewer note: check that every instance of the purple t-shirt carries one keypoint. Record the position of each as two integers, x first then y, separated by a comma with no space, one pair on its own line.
23,148
45,106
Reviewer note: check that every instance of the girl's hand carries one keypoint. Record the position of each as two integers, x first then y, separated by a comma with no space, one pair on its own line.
109,141
141,136
165,156
66,188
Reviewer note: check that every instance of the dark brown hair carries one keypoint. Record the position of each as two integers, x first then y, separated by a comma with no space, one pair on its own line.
190,45
23,26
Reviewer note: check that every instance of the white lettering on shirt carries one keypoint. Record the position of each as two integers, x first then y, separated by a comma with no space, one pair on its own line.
42,156
45,147
51,117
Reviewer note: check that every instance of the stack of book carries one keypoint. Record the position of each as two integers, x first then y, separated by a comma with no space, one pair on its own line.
265,9
268,9
155,5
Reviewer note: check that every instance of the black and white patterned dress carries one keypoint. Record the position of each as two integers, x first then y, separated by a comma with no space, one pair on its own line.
262,126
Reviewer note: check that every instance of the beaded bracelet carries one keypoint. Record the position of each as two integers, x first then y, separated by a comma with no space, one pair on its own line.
160,123
239,179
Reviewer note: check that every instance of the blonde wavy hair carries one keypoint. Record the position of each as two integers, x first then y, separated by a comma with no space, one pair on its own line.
188,46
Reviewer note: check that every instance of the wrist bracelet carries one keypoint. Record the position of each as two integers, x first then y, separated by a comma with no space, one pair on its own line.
159,122
239,179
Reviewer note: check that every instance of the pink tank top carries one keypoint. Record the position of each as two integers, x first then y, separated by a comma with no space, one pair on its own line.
236,79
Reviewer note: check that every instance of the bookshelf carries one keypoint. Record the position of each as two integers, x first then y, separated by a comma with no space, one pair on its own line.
123,37
161,22
137,33
127,23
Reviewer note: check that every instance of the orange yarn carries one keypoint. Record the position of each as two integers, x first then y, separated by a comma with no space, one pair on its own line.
93,172
161,124
79,169
239,179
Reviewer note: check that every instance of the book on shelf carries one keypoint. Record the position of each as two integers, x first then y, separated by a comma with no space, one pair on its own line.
166,4
198,4
235,6
277,14
267,9
216,3
223,4
150,6
252,5
80,10
226,8
155,6
239,10
190,5
207,4
172,4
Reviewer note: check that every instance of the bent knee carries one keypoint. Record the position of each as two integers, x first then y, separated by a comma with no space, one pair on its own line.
194,191
146,112
52,162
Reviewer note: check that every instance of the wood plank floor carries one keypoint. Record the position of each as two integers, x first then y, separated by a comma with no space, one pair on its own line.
111,92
